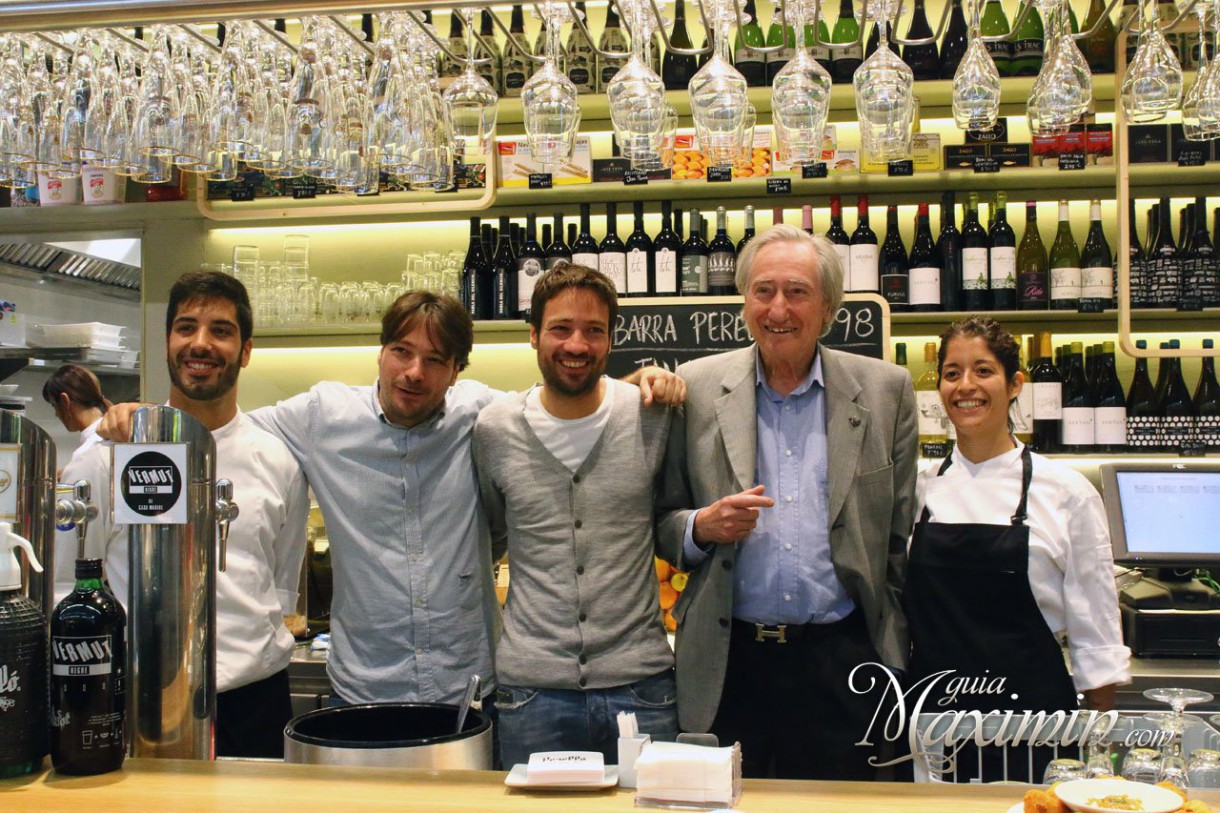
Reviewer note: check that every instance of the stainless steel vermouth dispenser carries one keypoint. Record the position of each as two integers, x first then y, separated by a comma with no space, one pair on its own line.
172,609
27,497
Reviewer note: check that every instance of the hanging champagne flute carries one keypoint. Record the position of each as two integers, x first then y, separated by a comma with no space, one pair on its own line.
718,92
976,84
550,103
800,95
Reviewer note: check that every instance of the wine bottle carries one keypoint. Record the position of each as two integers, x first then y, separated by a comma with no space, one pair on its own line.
781,34
1211,285
995,23
749,61
949,250
584,248
1098,47
1138,280
612,257
677,69
747,233
88,677
530,261
932,422
1033,288
1165,269
612,40
924,266
900,354
1110,413
1021,411
1027,45
777,216
894,271
694,259
844,61
579,58
975,250
558,251
1199,265
1048,398
504,267
1143,416
452,65
667,250
640,270
807,218
487,48
864,272
923,60
678,225
1002,258
721,260
1065,265
1176,406
836,234
874,39
477,276
956,39
489,237
1207,402
820,51
517,61
1097,266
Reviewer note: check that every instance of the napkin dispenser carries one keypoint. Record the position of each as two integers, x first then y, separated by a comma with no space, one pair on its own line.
670,774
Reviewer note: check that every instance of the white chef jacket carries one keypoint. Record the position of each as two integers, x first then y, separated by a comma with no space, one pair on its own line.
266,546
1071,565
103,539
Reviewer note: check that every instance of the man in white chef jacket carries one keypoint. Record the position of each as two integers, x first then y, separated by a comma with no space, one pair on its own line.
208,327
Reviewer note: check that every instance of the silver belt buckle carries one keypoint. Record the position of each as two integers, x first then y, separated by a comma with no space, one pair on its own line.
761,633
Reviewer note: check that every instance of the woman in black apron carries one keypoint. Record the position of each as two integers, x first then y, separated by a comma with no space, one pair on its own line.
969,597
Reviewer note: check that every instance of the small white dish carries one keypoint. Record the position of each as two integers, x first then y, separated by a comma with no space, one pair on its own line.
1084,795
518,777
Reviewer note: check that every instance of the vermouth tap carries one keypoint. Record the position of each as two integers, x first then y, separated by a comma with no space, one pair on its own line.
226,512
76,512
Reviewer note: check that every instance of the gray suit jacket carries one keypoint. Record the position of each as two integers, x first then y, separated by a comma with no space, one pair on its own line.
872,444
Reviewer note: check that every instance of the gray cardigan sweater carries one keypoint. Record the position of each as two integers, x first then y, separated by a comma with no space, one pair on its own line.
582,609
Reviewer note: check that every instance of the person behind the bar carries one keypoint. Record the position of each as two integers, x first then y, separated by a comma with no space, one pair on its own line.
567,473
788,494
1010,555
208,329
413,608
76,396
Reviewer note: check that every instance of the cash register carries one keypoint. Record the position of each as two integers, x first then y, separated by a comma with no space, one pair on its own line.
1165,522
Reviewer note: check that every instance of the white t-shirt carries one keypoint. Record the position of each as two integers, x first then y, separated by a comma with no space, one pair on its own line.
570,441
1071,565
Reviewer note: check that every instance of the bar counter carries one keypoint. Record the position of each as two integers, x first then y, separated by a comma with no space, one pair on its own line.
187,786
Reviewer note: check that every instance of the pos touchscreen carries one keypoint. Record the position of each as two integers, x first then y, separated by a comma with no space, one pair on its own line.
1164,515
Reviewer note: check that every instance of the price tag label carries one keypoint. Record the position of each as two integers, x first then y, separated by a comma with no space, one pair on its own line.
541,180
1071,160
934,449
779,186
304,190
719,174
900,169
1192,448
241,194
816,169
1191,157
635,177
986,163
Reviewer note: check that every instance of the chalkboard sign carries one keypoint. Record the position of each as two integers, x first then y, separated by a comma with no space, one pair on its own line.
668,332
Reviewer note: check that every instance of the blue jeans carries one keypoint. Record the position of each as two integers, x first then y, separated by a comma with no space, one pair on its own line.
532,720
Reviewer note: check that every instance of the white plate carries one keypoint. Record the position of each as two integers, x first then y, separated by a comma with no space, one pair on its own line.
518,777
1077,793
1019,807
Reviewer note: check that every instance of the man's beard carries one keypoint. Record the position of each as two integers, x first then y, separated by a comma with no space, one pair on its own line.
226,381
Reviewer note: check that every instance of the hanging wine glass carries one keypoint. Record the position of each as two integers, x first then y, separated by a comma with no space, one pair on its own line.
153,136
800,96
1201,105
79,91
303,148
718,92
18,140
1057,98
1152,85
638,108
550,103
885,103
473,103
976,84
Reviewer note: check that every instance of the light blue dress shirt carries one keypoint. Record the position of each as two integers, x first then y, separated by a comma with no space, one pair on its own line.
413,605
783,572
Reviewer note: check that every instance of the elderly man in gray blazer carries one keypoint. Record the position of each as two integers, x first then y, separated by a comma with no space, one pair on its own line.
788,494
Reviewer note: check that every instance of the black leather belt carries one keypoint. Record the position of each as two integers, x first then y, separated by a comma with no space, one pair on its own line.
788,633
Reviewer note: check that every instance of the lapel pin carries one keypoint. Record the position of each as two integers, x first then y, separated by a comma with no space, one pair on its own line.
854,420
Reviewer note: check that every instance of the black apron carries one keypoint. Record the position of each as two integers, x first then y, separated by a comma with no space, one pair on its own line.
970,608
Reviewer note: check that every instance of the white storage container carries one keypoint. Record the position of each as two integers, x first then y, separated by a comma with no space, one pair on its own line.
83,334
58,191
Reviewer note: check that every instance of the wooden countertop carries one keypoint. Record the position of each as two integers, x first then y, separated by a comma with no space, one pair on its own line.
183,786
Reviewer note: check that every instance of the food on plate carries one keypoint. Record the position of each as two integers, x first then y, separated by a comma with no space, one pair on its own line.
1043,801
1118,801
1173,787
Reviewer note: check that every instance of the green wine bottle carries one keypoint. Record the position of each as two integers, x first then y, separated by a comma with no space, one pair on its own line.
1028,44
844,61
746,58
995,23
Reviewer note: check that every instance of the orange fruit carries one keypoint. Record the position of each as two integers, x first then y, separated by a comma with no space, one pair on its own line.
678,581
669,596
671,624
663,568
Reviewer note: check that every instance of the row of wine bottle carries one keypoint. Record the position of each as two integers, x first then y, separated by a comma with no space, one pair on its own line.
509,65
1073,402
974,269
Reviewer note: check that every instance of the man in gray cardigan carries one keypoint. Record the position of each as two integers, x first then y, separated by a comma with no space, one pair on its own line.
566,474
